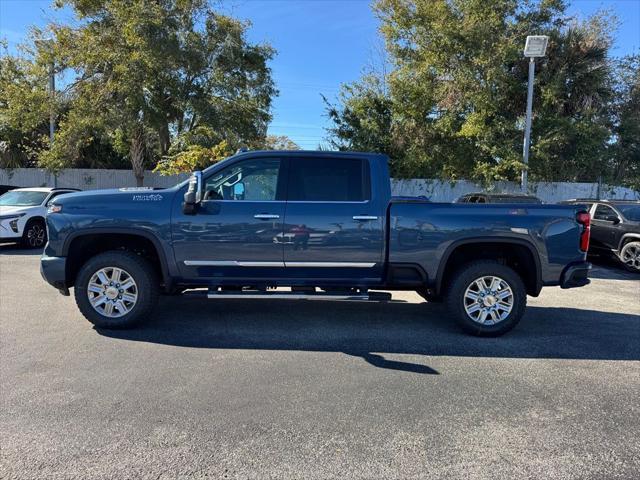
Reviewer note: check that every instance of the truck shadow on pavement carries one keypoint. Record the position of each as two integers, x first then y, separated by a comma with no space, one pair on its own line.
370,331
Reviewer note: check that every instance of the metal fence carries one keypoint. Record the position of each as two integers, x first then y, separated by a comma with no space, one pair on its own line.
84,178
436,190
549,192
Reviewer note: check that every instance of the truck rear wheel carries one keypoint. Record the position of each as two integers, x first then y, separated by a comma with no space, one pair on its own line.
116,289
487,298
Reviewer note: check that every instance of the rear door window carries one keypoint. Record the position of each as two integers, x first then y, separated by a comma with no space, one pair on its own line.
604,212
329,180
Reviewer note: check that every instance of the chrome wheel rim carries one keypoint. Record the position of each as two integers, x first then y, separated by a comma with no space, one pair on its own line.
488,300
112,292
35,236
631,256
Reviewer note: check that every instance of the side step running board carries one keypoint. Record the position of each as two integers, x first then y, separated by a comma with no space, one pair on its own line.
253,294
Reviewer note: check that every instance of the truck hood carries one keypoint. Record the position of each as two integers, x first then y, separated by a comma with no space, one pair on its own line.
116,203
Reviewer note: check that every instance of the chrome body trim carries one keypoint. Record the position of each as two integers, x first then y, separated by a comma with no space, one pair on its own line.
236,263
331,264
231,263
289,296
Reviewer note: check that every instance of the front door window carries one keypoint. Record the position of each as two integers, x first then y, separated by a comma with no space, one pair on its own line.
253,180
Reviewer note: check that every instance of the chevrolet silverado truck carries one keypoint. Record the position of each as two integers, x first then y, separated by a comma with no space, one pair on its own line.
307,225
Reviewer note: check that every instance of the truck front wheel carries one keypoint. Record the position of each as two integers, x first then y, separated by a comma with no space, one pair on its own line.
116,289
487,298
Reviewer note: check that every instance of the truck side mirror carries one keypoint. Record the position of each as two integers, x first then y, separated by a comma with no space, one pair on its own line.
193,195
613,218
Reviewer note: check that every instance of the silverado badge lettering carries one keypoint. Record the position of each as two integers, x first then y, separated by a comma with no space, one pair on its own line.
147,198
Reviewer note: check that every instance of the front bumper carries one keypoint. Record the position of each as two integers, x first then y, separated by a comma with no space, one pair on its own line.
10,239
575,275
53,270
8,234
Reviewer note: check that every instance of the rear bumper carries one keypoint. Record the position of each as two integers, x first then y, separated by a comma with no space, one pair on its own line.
53,270
575,275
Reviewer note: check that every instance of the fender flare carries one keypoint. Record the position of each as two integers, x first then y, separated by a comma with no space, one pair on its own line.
35,218
164,266
480,240
635,236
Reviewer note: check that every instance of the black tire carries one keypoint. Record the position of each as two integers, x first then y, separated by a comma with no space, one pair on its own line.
465,277
140,270
629,256
429,295
34,234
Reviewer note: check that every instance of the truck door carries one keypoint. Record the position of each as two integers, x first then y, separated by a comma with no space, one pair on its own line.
333,228
234,232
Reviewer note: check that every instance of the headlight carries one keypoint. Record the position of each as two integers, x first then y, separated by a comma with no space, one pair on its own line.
54,208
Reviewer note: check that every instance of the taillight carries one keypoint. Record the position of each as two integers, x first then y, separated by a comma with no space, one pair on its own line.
584,219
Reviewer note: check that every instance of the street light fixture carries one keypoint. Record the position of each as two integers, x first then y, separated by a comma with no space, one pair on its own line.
535,47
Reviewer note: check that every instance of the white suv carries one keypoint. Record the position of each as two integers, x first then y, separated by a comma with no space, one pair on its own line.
22,213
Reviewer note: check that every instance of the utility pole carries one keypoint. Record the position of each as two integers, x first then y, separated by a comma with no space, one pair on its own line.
47,44
52,93
52,113
535,47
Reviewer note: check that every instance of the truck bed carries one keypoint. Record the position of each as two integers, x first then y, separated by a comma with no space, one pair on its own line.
425,233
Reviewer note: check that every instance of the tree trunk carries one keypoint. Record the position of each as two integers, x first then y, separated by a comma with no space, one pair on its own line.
165,139
136,152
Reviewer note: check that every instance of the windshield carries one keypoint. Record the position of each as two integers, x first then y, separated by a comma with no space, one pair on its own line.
205,171
630,212
22,199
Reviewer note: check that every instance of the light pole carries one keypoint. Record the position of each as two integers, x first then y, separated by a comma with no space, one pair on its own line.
535,47
47,43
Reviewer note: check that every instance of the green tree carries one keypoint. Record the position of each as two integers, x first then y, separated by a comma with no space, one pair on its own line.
147,73
194,149
626,149
455,98
24,110
279,142
572,124
363,118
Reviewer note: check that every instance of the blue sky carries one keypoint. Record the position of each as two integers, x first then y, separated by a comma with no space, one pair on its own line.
320,44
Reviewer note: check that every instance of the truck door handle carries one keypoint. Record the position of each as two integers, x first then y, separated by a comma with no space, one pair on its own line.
266,216
365,217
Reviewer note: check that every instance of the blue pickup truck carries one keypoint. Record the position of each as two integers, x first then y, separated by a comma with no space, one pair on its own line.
307,225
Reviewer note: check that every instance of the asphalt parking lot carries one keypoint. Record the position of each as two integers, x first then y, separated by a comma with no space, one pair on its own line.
255,389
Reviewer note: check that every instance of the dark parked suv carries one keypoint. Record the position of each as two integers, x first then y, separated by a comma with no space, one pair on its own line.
615,228
498,198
